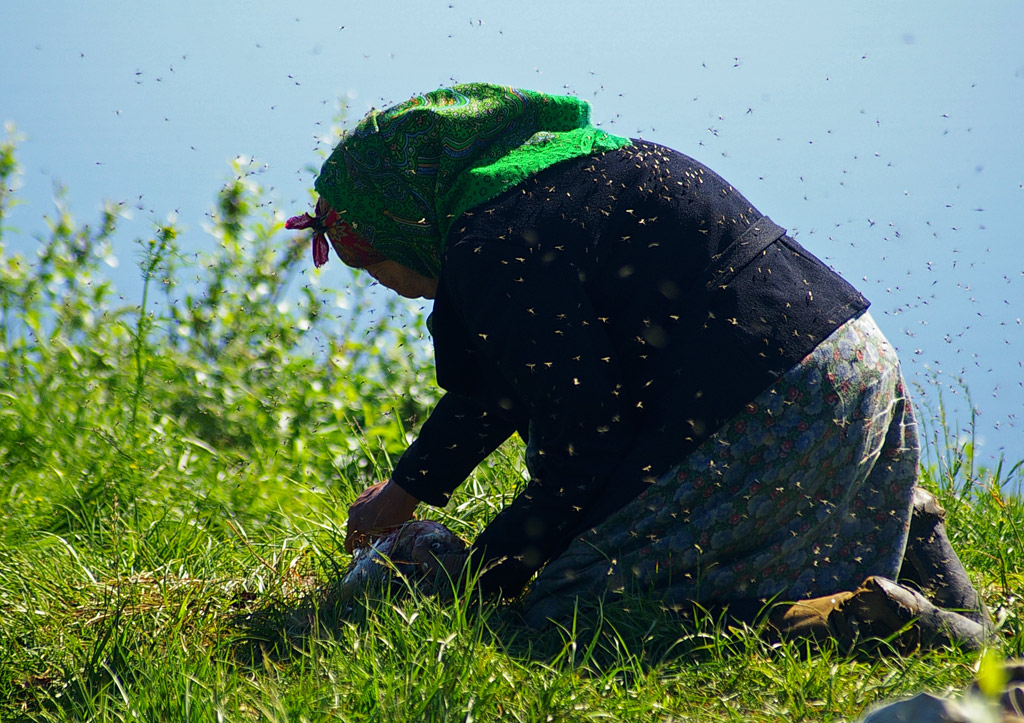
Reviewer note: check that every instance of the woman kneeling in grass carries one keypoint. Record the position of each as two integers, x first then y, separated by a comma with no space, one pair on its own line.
711,415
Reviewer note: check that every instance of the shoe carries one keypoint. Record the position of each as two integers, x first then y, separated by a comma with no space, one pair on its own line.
931,565
879,610
807,619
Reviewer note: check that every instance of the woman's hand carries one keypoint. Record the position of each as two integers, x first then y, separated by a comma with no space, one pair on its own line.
379,507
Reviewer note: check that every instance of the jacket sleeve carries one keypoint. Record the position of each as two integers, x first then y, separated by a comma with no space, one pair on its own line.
459,434
529,315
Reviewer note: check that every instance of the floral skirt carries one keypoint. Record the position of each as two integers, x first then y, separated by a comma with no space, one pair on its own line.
806,492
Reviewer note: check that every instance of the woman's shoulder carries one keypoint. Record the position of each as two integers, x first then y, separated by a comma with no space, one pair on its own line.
587,205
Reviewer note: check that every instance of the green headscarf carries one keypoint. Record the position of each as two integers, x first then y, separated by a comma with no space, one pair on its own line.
403,175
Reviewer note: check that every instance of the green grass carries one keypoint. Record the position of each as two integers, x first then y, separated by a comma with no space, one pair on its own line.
174,478
182,612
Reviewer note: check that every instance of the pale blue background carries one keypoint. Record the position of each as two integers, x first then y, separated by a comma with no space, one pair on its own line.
887,136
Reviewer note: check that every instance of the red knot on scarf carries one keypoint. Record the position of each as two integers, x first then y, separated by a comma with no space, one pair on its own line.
327,224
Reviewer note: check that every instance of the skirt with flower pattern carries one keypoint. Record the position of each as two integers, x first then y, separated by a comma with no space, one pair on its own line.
806,492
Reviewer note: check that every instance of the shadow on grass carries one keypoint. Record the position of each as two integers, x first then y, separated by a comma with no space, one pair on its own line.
640,635
635,632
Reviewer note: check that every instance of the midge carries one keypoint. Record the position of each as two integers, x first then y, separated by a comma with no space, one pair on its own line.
733,442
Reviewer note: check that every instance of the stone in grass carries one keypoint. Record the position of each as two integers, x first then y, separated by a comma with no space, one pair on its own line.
1003,706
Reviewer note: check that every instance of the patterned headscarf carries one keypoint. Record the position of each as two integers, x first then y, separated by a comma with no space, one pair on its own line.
395,184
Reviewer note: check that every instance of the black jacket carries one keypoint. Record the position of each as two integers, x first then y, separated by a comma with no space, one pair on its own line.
615,310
